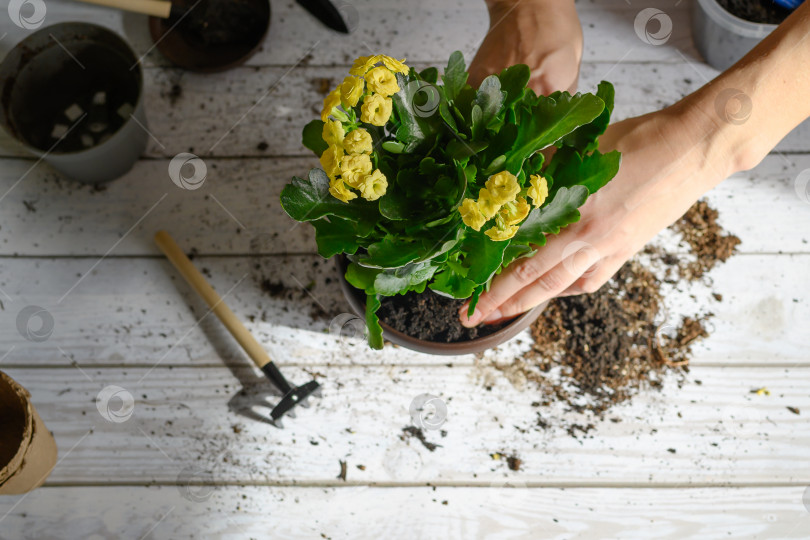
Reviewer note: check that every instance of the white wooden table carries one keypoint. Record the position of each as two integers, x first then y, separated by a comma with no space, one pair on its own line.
185,464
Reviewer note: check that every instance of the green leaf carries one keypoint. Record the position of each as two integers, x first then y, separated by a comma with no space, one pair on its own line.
375,337
312,137
399,281
593,171
489,100
584,137
474,300
495,166
455,75
447,116
514,252
361,277
416,104
452,284
513,81
549,120
459,149
430,75
483,258
561,211
395,147
308,200
335,235
390,252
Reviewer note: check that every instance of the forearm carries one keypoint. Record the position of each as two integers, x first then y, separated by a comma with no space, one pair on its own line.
772,89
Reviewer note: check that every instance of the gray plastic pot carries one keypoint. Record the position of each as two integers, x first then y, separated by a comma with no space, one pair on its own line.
72,95
723,38
356,299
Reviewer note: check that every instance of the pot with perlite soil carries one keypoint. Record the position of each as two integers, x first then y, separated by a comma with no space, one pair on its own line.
27,448
72,95
725,30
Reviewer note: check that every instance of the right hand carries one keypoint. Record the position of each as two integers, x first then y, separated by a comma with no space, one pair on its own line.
543,34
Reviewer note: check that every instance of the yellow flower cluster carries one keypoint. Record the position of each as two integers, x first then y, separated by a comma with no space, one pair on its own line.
381,83
347,161
499,199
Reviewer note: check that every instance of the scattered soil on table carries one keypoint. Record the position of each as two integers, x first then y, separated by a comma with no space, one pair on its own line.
418,434
430,317
222,22
322,85
593,352
759,11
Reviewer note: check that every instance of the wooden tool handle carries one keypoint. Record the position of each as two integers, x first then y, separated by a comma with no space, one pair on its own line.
156,8
194,278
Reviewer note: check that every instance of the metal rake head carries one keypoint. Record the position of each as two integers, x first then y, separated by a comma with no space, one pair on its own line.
297,396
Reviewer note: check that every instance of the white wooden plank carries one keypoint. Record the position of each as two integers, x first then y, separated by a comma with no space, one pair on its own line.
136,311
419,31
230,114
446,512
236,211
716,432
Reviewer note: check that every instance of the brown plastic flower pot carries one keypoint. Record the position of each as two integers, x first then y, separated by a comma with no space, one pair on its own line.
356,297
27,448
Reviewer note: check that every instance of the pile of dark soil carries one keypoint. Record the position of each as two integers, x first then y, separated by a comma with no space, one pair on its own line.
759,11
430,317
607,346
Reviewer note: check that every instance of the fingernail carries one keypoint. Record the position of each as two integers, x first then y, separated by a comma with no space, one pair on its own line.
471,321
494,316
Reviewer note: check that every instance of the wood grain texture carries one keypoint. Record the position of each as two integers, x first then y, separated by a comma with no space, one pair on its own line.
237,210
714,433
170,512
135,311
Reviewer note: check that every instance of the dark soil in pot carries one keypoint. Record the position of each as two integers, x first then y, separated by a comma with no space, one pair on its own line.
758,11
222,22
431,317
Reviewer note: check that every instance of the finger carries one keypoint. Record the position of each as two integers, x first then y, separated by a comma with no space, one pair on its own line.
551,284
516,276
595,278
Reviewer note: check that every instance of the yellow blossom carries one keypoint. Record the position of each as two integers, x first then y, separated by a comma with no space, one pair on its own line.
333,132
330,102
394,65
330,160
339,190
515,212
487,203
499,235
373,186
381,80
503,187
354,168
538,190
358,142
350,91
376,110
471,214
363,64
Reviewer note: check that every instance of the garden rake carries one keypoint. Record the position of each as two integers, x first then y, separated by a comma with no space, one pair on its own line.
292,395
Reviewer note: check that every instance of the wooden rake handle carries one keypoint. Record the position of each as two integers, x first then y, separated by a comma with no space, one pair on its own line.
194,278
156,8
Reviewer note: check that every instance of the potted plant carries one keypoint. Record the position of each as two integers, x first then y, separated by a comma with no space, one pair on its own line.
428,189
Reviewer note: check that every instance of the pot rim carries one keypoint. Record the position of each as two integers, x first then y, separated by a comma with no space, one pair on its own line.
8,470
477,345
732,23
70,26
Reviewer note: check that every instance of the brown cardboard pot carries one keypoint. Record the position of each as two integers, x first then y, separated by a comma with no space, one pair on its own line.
27,448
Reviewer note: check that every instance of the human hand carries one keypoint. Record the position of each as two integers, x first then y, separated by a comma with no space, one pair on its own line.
543,34
666,166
